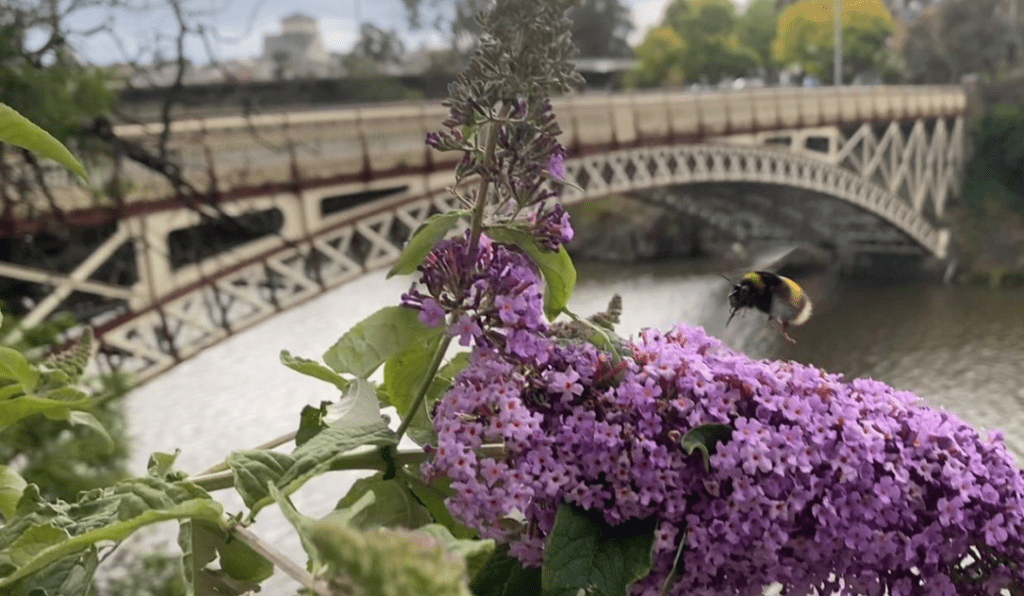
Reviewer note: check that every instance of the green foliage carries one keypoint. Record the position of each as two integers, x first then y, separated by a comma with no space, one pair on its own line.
385,561
805,38
384,334
423,241
756,30
393,505
996,170
156,574
254,470
661,56
713,46
78,443
584,553
601,28
42,534
391,562
705,439
17,130
241,568
313,369
504,575
955,37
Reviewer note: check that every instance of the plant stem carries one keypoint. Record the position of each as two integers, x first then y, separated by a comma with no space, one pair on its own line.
281,561
268,445
364,459
477,223
428,378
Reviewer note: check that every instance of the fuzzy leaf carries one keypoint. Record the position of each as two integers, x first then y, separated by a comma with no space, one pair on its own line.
18,130
584,553
313,369
41,533
373,341
15,409
86,419
311,422
504,575
476,552
705,438
71,576
15,367
423,241
11,487
254,469
358,407
393,505
556,267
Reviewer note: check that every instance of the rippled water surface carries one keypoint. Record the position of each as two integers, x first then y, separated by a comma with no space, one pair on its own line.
958,348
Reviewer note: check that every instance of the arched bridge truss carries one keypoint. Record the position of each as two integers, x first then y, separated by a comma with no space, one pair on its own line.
341,192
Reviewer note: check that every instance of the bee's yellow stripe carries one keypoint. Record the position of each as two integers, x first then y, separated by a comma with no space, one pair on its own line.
755,279
800,300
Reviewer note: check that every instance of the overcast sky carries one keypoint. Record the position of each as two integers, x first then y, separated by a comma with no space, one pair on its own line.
242,24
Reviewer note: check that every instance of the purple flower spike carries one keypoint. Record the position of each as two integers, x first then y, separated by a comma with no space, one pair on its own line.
824,485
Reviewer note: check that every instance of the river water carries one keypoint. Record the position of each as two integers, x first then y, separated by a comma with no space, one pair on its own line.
959,348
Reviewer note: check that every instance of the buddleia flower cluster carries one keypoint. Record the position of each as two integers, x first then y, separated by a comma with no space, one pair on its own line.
500,114
825,484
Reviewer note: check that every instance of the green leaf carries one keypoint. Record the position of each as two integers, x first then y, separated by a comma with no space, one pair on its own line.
311,422
86,419
585,553
677,570
71,576
11,487
16,129
423,241
393,505
388,562
253,470
358,407
403,375
476,552
14,366
302,525
313,369
432,496
241,568
556,267
15,409
383,335
705,438
42,533
504,576
161,465
241,562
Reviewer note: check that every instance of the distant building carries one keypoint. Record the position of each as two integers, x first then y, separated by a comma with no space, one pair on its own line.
299,50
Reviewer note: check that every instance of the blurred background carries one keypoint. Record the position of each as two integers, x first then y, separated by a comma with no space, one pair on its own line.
211,129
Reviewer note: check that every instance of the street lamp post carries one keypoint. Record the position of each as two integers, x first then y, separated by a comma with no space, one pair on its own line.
837,52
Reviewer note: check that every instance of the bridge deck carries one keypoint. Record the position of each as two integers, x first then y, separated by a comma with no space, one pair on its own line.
230,158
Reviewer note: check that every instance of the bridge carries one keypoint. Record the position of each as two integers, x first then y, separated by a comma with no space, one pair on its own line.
294,204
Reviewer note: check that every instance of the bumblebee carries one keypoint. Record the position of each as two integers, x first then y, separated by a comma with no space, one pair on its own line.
779,297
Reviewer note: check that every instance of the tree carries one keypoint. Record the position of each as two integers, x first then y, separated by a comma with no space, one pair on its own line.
713,47
374,51
756,29
805,38
661,57
600,28
954,38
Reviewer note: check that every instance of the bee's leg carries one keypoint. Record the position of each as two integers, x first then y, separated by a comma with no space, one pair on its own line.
783,326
